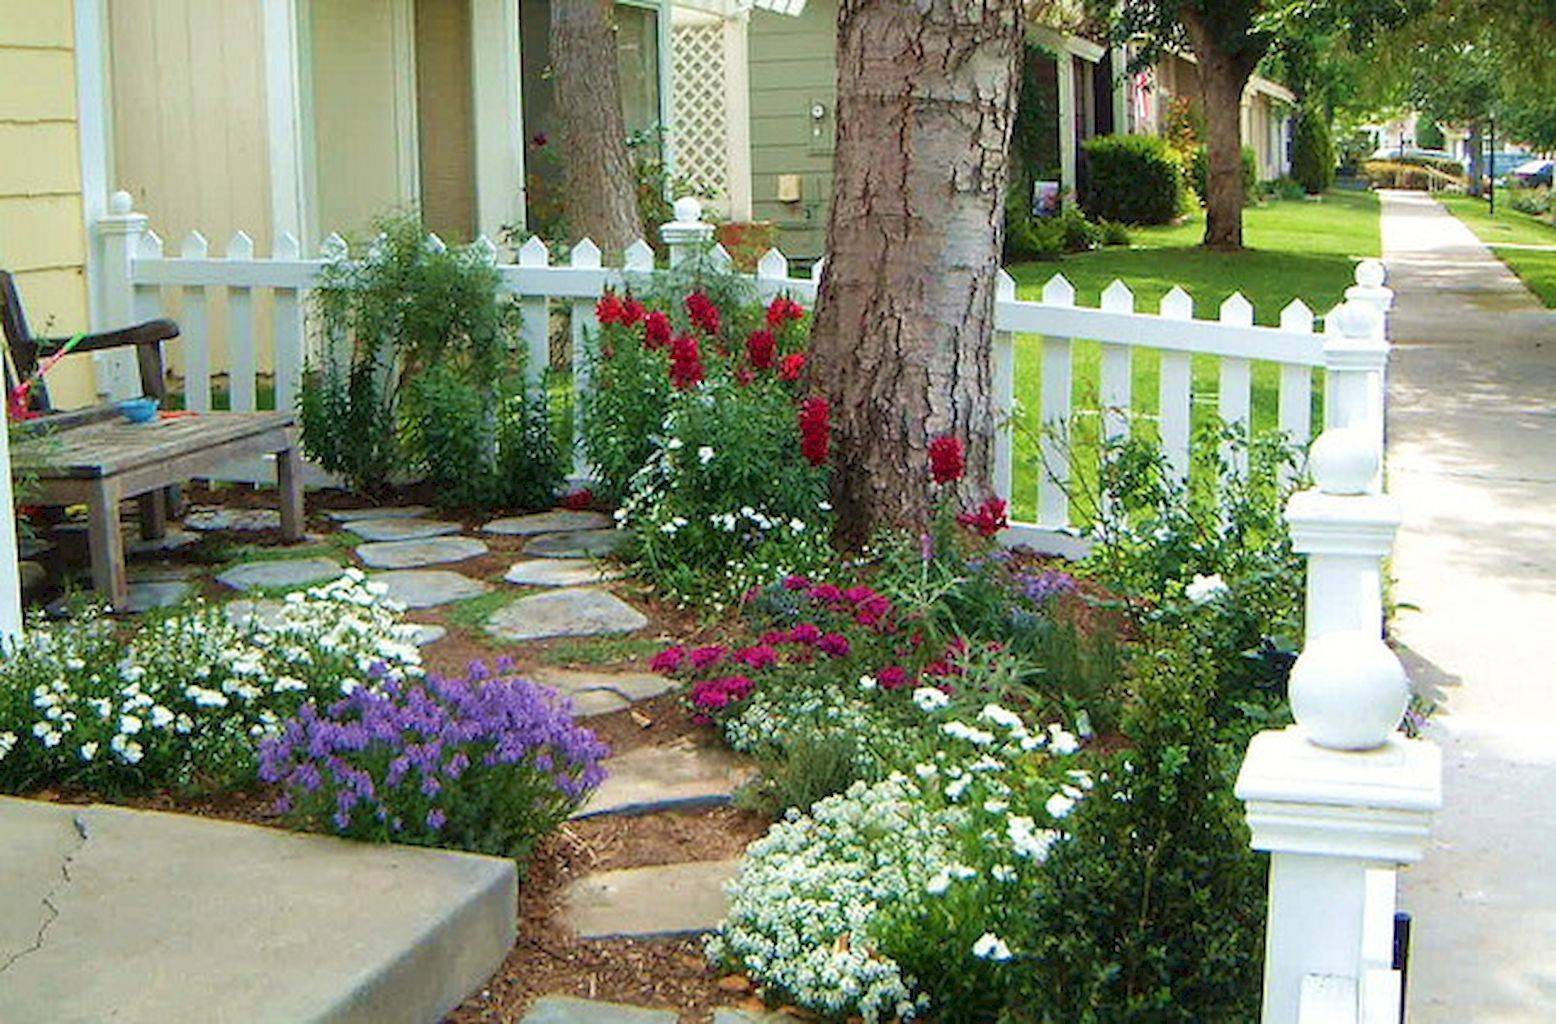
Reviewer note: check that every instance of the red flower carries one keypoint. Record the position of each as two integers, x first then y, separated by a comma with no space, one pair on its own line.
835,644
704,658
686,370
703,313
947,460
656,329
761,347
805,633
815,429
988,518
893,677
782,310
539,140
609,309
795,583
632,311
668,660
791,366
758,657
578,500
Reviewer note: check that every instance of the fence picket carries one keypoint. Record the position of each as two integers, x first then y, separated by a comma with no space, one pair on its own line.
240,332
196,338
639,256
146,299
1117,367
1296,382
535,315
585,325
1234,393
1175,394
1004,359
772,270
288,315
1053,502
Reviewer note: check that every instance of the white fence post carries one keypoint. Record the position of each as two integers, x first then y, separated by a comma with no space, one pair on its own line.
688,234
1004,360
1371,291
1341,795
1355,358
119,235
10,568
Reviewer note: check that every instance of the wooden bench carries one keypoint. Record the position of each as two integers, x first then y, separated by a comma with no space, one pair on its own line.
97,458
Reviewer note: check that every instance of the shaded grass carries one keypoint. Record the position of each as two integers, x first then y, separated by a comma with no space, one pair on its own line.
598,651
1535,268
473,612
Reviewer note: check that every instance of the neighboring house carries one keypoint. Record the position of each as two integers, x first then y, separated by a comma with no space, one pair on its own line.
44,201
1265,116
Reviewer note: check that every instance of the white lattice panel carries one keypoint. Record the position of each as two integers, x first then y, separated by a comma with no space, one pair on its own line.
701,120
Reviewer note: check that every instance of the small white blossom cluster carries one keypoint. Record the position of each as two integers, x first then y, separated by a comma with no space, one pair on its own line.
194,686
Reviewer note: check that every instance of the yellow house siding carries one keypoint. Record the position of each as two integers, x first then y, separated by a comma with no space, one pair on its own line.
42,237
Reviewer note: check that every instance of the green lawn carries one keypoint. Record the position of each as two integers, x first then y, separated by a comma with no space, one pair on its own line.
1535,268
1296,249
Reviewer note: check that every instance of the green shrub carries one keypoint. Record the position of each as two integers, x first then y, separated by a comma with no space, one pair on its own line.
1288,188
1114,233
1312,152
1534,201
1199,173
1429,134
1131,178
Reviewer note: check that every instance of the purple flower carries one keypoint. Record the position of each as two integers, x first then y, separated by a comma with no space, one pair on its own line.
436,819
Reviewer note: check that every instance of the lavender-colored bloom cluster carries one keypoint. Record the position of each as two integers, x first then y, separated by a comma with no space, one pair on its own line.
1041,587
486,761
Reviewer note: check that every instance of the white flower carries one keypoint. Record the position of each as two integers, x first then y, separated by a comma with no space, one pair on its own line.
1003,717
1062,740
996,806
1205,588
675,444
7,743
88,751
930,699
938,885
161,717
1059,805
705,454
963,731
127,749
1003,873
991,947
866,682
1027,839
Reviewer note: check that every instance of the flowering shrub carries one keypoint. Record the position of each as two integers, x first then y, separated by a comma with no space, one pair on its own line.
481,763
180,702
897,897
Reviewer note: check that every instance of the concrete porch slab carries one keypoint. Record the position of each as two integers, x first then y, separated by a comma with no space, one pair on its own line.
134,916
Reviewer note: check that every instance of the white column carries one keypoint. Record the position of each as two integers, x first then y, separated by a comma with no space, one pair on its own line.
688,235
10,572
1341,795
118,236
1119,65
737,115
1066,80
284,120
497,86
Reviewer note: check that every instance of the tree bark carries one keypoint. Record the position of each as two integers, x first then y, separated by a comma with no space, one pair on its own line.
904,320
1222,78
601,184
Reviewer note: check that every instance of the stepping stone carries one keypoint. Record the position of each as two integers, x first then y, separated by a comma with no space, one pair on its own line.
631,687
681,775
567,1010
556,521
355,515
137,913
285,572
402,529
561,572
249,520
570,612
424,633
592,703
173,540
161,571
32,575
581,544
724,1015
664,901
413,554
264,613
149,594
428,588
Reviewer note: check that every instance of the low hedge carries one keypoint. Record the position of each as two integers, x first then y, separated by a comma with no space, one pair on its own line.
1133,179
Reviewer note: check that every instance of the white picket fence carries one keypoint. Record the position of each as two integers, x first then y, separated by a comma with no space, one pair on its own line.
140,274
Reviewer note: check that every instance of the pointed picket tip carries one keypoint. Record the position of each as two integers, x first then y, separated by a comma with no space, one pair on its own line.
150,246
1237,310
334,247
194,246
1177,304
240,246
773,264
817,268
1058,292
1296,317
639,256
1004,286
286,247
585,255
486,248
534,253
1117,298
436,244
720,257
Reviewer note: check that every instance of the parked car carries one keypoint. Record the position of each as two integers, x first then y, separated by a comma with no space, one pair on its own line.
1531,173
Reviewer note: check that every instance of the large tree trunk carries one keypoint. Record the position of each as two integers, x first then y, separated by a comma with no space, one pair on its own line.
1222,78
902,335
601,186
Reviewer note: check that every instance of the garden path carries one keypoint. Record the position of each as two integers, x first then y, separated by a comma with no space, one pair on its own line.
1472,459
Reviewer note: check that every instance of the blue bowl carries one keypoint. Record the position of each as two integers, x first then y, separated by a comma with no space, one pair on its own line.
139,410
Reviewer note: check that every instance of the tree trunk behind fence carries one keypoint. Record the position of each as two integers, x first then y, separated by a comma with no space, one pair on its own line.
905,316
601,184
1222,77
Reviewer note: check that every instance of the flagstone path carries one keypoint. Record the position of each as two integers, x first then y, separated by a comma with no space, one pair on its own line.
662,901
405,528
417,554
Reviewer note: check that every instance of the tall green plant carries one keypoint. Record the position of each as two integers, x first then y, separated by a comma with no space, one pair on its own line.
1312,150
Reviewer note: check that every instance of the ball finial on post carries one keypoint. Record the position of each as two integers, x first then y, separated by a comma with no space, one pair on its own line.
1348,691
688,210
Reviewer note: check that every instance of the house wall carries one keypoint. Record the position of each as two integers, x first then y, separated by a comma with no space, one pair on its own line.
42,232
444,118
792,69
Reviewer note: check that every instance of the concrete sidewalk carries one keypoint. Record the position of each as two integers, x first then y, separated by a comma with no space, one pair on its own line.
1472,459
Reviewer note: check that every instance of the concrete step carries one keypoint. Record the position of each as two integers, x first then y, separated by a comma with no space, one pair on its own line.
144,918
